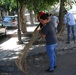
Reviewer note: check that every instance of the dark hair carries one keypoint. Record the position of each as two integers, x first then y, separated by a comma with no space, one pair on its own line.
45,16
50,14
65,11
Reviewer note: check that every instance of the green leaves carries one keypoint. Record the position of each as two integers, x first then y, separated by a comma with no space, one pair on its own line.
36,5
5,4
39,5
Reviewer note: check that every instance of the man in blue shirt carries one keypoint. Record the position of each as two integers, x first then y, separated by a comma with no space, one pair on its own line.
70,23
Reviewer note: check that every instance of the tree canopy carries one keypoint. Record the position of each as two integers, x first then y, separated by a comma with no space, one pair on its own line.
38,5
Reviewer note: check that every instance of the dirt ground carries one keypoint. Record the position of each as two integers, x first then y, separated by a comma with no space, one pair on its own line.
36,64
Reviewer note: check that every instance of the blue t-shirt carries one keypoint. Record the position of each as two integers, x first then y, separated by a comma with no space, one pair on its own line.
49,31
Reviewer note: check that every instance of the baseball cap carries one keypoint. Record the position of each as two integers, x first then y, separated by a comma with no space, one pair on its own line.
40,14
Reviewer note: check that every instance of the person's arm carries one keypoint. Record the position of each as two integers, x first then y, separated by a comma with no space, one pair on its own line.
57,20
43,32
42,35
65,20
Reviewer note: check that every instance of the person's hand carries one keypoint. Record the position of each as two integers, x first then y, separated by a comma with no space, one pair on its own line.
39,31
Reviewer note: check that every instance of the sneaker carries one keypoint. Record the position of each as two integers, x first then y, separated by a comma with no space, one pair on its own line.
67,42
55,67
48,70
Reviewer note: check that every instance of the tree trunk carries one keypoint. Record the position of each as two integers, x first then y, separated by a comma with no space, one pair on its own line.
22,19
61,16
31,17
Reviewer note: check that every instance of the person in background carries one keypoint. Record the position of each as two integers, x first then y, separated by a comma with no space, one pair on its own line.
48,32
70,24
55,20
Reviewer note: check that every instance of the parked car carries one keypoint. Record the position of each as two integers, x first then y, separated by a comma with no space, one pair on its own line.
2,29
10,21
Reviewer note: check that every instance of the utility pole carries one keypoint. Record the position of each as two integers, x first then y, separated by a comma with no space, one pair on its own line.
18,20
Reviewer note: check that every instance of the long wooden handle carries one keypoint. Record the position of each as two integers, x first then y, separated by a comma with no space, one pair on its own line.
21,59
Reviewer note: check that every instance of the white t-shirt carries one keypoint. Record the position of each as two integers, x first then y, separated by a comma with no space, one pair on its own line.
55,20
